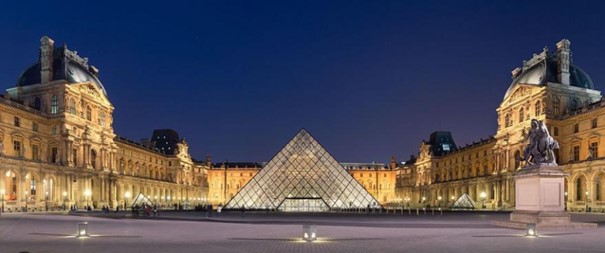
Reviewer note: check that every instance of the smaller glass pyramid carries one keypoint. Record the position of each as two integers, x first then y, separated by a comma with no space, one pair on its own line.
302,177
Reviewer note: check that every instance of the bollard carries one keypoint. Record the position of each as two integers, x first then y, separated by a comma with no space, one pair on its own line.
440,211
409,210
424,210
417,211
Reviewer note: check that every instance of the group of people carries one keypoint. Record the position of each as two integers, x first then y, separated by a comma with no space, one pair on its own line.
74,208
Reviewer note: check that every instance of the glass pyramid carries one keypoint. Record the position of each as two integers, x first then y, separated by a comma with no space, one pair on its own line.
302,177
464,202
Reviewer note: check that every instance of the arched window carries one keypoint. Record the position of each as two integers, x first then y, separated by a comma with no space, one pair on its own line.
88,113
32,188
597,188
579,191
556,104
54,105
10,186
538,108
521,115
37,103
72,107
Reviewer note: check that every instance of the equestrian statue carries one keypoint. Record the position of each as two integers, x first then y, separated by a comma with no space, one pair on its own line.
540,149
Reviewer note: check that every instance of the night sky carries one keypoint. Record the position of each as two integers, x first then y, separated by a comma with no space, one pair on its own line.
368,79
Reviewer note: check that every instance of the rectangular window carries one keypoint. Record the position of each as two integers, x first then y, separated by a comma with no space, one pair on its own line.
576,154
594,123
53,154
53,130
35,153
34,126
555,131
17,147
17,121
594,150
576,128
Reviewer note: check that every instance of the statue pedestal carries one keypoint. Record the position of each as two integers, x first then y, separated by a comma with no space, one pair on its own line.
539,196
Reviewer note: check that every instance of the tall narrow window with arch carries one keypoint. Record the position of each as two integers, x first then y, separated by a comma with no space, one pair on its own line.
54,105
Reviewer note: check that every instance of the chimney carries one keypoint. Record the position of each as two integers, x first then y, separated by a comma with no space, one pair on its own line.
209,161
563,52
46,59
393,163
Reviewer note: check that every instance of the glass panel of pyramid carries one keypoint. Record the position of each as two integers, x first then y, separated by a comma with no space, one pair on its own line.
464,202
303,176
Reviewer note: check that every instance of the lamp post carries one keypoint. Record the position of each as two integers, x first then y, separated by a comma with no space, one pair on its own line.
26,201
87,194
64,200
439,201
483,196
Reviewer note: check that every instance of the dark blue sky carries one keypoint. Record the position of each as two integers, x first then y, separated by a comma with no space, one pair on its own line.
368,79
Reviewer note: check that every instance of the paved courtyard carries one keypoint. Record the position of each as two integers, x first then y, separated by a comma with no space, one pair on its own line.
190,232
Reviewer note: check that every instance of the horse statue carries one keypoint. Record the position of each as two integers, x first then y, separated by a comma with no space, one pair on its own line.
540,149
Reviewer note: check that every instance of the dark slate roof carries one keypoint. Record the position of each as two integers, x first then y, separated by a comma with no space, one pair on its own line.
542,69
67,65
441,143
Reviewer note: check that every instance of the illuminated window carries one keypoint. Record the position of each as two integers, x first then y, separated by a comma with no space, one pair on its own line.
521,115
32,188
54,105
538,108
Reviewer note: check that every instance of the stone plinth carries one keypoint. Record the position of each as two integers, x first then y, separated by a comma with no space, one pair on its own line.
540,196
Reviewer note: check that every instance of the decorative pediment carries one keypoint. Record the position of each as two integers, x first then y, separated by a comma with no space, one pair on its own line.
519,92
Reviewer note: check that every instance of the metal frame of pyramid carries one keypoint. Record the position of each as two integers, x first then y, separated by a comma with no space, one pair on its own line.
303,176
464,202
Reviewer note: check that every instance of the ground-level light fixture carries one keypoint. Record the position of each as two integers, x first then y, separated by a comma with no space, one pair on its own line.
309,233
531,230
82,230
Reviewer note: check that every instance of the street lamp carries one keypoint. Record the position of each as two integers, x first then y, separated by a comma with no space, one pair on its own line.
439,199
87,194
64,199
46,200
26,201
483,196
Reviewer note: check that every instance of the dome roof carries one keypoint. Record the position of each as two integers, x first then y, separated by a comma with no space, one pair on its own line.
67,65
542,69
